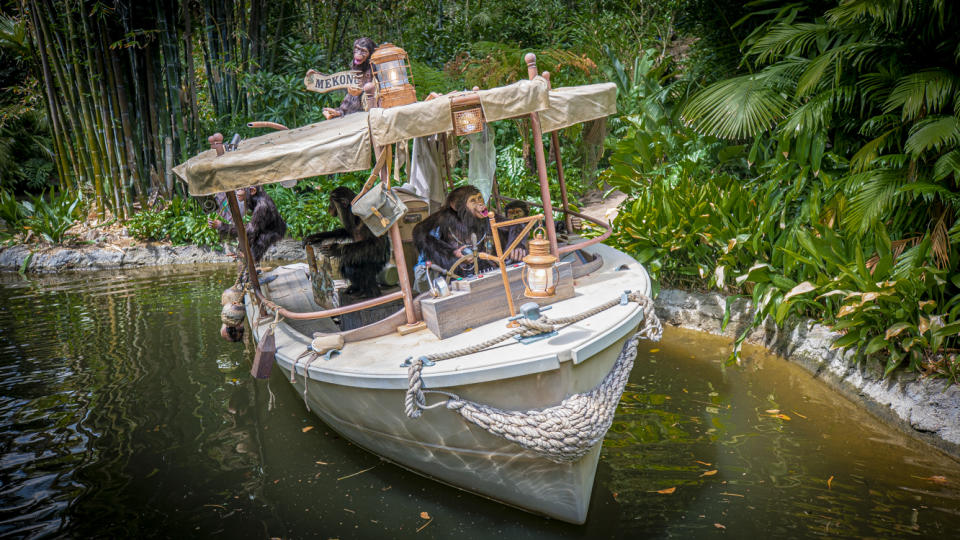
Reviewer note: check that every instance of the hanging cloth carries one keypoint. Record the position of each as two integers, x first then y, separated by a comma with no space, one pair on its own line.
426,176
483,161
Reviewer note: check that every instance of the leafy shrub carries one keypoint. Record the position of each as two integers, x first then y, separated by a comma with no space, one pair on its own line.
51,219
181,221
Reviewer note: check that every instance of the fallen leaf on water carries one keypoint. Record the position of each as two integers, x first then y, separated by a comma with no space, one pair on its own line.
704,463
425,524
654,350
424,515
351,511
719,526
386,488
772,411
829,481
322,463
731,494
800,415
306,429
709,473
937,479
667,491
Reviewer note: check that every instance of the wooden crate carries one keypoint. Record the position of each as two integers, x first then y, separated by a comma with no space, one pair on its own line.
474,302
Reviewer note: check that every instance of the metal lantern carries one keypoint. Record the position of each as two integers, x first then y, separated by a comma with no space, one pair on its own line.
392,71
540,274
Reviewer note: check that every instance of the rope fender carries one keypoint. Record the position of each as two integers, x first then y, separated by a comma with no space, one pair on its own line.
563,433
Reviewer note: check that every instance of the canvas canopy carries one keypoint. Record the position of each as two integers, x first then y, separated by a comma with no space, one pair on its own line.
344,144
572,105
339,145
428,117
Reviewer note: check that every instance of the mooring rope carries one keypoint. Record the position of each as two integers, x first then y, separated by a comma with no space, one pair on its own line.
564,432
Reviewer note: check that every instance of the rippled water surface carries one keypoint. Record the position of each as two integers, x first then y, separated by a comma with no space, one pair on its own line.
123,414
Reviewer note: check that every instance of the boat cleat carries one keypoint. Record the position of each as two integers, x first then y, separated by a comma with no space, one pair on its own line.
531,311
426,362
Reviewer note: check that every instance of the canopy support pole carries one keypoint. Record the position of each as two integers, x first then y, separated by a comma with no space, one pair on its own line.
531,60
216,142
395,240
555,144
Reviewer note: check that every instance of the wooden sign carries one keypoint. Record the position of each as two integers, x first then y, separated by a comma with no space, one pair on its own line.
318,82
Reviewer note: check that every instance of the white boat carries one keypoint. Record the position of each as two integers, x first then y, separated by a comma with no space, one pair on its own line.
513,414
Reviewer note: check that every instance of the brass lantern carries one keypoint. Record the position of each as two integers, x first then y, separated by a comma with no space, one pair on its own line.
392,71
540,274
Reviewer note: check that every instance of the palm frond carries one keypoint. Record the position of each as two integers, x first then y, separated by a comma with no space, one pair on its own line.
925,92
869,152
874,193
811,116
736,108
790,40
947,164
933,133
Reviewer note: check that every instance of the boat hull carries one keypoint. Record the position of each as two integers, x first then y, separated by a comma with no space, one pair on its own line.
443,446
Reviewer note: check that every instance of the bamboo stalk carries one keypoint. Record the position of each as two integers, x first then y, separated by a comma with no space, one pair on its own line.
51,98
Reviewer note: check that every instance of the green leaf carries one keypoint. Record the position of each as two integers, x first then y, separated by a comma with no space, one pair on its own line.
875,344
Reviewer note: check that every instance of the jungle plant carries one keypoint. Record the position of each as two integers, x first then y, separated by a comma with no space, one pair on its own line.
181,221
859,106
51,215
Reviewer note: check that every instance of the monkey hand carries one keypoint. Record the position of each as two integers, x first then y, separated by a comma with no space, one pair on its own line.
214,223
518,254
329,113
331,249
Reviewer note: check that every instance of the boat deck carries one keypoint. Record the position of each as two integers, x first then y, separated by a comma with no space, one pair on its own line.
376,362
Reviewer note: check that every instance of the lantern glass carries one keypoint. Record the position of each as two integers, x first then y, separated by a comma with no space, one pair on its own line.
540,275
392,74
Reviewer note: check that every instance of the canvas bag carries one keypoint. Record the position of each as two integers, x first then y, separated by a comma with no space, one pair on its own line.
378,206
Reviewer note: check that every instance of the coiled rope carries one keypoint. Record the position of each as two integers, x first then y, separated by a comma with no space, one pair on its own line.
564,432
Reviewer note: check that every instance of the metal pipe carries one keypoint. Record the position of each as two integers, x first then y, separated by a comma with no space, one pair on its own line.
531,60
264,124
310,315
573,247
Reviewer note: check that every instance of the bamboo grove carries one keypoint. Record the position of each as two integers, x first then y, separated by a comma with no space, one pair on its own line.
132,88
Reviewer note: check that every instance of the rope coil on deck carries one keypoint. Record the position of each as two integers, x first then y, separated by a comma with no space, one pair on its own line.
564,432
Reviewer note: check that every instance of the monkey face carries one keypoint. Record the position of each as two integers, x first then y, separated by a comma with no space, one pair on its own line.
476,207
515,213
360,55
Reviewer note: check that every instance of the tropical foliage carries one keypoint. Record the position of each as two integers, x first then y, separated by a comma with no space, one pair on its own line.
842,131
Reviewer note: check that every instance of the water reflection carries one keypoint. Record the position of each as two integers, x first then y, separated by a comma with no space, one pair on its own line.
122,414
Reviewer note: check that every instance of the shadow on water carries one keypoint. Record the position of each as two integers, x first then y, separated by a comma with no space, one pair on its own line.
123,414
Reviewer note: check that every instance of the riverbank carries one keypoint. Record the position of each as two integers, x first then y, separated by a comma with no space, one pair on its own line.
105,256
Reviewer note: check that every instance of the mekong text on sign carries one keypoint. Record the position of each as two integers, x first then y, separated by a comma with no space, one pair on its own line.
318,82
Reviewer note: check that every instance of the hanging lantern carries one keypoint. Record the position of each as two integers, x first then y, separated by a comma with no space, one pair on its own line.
392,71
540,274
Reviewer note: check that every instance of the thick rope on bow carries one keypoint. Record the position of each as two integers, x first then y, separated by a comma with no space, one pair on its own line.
564,432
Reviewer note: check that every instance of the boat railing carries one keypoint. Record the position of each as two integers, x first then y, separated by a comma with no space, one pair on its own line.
569,248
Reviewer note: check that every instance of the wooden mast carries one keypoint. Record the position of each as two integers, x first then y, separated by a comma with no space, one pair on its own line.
531,60
395,241
216,142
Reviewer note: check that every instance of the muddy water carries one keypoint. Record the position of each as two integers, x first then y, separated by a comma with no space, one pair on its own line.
123,414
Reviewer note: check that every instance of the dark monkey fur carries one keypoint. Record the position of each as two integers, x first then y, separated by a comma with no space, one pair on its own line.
266,226
439,236
362,258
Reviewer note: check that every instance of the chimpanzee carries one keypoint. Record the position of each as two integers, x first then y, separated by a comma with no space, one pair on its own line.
363,255
352,102
266,226
442,237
